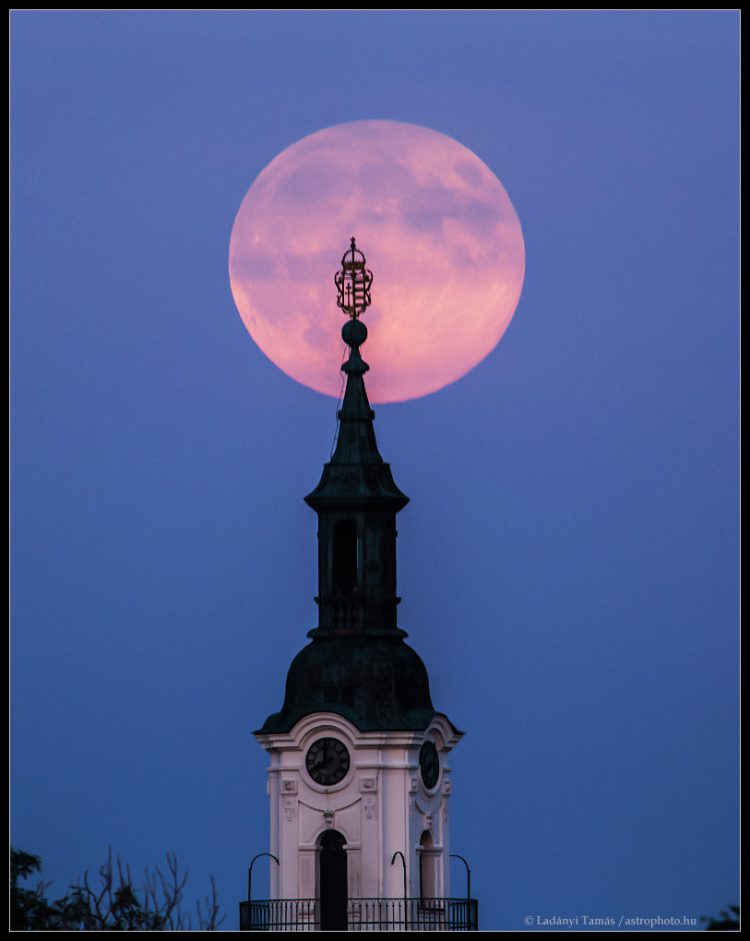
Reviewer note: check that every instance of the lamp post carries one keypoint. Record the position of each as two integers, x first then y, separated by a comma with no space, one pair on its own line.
406,905
468,874
250,872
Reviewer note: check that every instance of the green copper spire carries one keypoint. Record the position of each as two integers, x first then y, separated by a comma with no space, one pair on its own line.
356,471
357,664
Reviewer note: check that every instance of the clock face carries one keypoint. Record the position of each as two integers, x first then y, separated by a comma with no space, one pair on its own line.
327,761
429,764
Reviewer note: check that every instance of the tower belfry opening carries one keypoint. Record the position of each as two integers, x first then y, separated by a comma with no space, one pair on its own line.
345,557
359,776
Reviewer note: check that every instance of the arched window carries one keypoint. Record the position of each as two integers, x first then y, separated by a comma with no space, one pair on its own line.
427,860
345,557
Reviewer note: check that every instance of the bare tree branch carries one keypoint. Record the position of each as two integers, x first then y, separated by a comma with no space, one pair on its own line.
116,904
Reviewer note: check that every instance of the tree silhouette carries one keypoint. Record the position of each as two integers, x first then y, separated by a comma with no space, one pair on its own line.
727,921
111,904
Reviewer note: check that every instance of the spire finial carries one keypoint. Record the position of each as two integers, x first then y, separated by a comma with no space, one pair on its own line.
353,282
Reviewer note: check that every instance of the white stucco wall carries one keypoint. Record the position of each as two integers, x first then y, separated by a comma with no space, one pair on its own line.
381,807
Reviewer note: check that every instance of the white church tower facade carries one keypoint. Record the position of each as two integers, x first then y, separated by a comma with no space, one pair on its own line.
359,778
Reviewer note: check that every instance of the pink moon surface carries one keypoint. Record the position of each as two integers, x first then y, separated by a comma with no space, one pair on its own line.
440,235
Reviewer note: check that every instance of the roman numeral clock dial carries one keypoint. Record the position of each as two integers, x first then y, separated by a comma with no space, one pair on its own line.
327,761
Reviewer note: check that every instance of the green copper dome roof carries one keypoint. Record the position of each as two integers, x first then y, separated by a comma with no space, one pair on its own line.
375,683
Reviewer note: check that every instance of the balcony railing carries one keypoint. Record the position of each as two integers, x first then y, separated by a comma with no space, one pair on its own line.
362,915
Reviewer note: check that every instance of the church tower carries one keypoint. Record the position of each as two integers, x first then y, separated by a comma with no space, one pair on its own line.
359,778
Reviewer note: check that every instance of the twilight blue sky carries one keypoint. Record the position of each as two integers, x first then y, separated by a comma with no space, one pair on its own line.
569,558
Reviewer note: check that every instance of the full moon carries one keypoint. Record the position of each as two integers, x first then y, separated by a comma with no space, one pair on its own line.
440,235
